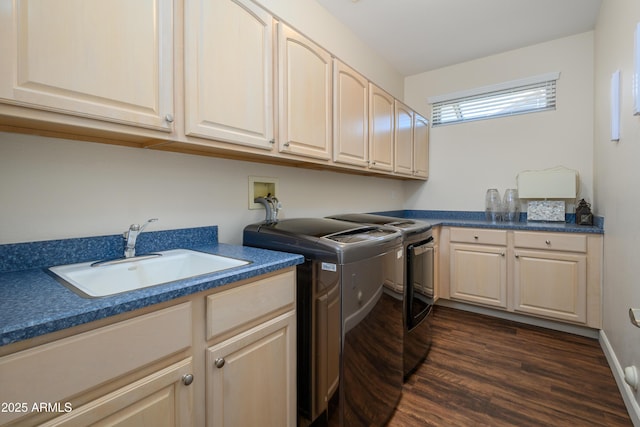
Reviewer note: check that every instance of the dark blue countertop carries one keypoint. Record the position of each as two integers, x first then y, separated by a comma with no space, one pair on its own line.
477,220
34,303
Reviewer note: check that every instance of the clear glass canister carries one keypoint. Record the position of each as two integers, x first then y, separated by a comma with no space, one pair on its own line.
493,205
511,205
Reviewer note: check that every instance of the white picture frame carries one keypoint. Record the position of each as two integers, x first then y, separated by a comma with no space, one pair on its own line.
636,71
615,106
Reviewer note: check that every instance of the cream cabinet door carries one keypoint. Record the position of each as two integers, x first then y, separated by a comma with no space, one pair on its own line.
403,164
420,147
109,60
304,105
551,284
381,129
251,377
229,72
350,116
162,399
479,274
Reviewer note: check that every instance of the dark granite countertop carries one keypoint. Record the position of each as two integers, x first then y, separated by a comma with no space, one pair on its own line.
34,303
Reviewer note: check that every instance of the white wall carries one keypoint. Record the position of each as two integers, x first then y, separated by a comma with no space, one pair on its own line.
616,176
466,159
53,188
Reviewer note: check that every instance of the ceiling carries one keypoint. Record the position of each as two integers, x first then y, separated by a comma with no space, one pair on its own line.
421,35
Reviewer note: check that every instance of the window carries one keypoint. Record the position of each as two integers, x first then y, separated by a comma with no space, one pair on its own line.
506,99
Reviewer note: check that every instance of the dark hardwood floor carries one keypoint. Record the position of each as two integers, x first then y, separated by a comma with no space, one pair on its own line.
483,371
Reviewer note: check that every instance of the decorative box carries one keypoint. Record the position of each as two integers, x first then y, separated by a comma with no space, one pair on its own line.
546,210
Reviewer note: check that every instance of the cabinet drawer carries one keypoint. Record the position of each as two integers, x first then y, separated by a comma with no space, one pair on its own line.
479,235
53,372
147,401
553,241
245,305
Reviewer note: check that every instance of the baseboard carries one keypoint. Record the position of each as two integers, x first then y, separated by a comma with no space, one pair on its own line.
618,373
521,318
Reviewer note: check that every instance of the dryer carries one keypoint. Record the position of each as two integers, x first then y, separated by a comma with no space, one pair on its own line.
349,326
417,286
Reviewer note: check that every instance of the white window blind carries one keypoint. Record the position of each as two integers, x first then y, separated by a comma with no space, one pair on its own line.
506,99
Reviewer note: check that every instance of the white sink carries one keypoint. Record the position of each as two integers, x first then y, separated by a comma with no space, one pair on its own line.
136,273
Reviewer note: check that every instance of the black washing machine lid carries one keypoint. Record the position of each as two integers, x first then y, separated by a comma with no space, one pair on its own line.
364,218
313,227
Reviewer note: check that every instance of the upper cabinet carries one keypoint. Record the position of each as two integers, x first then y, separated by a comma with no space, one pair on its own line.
411,142
304,104
381,129
403,139
102,60
229,72
212,77
350,116
420,146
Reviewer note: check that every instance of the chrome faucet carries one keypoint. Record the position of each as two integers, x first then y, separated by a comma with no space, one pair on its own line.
132,234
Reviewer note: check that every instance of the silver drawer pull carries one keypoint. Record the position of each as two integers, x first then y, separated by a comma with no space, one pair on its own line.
475,237
219,362
548,242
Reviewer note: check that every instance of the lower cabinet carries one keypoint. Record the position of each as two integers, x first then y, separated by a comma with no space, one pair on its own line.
557,275
478,269
479,274
162,399
233,349
120,374
550,275
551,284
251,359
249,377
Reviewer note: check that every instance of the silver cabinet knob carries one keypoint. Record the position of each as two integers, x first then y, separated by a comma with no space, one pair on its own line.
219,362
475,237
187,379
286,144
548,242
169,118
517,256
272,141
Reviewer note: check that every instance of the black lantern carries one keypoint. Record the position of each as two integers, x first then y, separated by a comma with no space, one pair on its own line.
583,213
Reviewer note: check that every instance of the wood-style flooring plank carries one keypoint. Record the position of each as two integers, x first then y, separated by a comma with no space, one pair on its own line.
485,371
